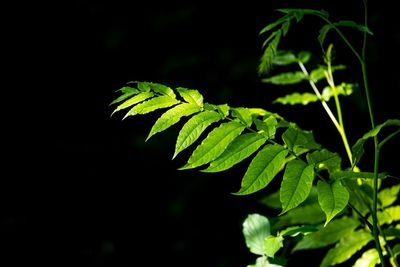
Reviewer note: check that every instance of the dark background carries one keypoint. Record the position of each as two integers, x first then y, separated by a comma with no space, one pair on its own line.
82,188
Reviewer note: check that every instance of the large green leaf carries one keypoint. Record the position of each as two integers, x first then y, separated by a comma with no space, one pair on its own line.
296,184
347,247
389,195
152,105
240,148
255,229
214,144
358,147
172,116
325,160
332,198
369,258
272,244
134,100
193,128
297,98
191,96
263,168
328,235
299,141
286,78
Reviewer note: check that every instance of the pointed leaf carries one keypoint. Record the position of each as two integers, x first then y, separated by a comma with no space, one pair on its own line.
272,244
152,104
389,215
296,230
134,100
263,168
172,116
348,246
283,58
325,160
389,195
214,144
297,98
161,89
296,184
243,114
332,198
255,229
126,92
275,23
193,128
307,214
320,13
355,175
191,96
286,78
304,56
267,127
241,148
328,235
269,52
299,141
358,149
369,258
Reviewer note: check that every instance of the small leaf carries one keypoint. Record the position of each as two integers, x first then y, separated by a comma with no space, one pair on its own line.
267,127
319,73
172,116
348,246
369,258
269,52
241,148
193,128
332,198
325,160
356,175
296,184
191,96
389,215
255,229
299,141
126,92
328,235
304,214
162,89
297,98
296,230
134,100
286,78
214,144
283,58
358,148
272,244
388,196
152,105
263,168
275,23
304,56
243,114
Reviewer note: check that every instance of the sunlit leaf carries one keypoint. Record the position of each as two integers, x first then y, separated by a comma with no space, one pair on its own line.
355,175
272,244
296,230
347,247
286,78
389,215
369,258
172,116
243,114
328,235
152,105
214,144
240,148
296,184
299,141
191,96
325,160
297,98
126,92
255,229
161,89
134,100
389,195
267,127
332,198
263,168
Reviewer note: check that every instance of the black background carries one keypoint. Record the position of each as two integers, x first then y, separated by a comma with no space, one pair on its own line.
82,188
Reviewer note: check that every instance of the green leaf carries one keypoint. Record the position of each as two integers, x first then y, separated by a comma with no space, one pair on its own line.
332,198
267,127
269,52
304,214
263,168
283,58
193,128
389,215
296,230
356,175
161,89
392,232
172,116
388,196
243,114
214,144
343,89
296,184
299,141
369,258
191,96
275,24
328,235
152,105
255,229
240,148
134,100
272,244
126,92
304,56
325,160
358,148
272,200
348,246
297,98
286,78
300,12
